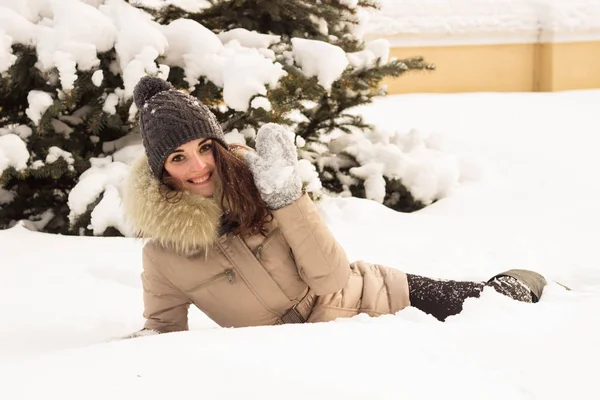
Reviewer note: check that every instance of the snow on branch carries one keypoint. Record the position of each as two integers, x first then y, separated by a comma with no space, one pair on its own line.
13,152
317,58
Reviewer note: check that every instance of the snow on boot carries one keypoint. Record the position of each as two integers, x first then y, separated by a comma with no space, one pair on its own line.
515,282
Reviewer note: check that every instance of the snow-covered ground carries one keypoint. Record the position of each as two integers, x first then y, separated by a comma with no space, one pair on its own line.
531,201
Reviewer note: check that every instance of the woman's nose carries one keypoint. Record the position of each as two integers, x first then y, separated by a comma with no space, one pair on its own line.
197,163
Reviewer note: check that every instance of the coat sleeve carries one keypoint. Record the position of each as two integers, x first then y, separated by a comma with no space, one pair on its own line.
165,306
321,261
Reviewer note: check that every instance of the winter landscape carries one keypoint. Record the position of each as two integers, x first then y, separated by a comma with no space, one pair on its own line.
510,179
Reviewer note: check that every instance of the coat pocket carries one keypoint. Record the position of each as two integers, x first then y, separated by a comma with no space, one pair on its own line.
268,240
228,274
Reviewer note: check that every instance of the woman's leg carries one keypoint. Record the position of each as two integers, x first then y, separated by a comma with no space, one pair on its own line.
443,298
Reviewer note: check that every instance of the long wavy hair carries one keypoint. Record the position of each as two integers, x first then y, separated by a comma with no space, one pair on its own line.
243,207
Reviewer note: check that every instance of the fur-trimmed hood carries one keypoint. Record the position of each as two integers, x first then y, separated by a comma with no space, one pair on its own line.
188,226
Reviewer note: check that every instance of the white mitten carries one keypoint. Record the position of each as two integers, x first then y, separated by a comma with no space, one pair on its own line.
273,166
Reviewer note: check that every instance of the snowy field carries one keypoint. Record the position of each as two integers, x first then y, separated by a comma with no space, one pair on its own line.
529,200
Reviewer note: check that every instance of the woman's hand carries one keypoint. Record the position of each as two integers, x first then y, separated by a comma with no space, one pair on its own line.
273,166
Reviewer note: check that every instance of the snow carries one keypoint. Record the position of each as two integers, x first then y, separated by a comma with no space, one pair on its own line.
196,57
417,158
98,77
349,3
13,152
110,104
7,59
78,31
261,102
139,41
242,72
235,136
32,10
102,178
38,104
531,202
440,22
248,38
309,176
317,58
246,73
16,26
374,50
54,153
128,154
23,131
188,5
109,212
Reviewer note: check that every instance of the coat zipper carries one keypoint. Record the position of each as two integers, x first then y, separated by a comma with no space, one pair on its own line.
228,273
261,247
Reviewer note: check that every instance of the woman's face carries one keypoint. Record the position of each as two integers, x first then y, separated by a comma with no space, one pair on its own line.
193,165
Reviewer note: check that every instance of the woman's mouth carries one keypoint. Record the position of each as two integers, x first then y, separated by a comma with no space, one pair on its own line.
200,180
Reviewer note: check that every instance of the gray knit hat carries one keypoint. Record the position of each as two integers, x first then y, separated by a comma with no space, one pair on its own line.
170,118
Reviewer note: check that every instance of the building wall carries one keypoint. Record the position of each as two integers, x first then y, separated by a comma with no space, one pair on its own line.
497,68
522,67
569,66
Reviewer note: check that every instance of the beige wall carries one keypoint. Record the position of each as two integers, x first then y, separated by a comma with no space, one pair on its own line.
568,66
502,68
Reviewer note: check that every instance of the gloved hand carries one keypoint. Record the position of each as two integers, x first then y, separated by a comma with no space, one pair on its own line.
273,166
141,333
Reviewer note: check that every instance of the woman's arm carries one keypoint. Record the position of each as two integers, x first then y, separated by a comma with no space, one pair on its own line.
321,261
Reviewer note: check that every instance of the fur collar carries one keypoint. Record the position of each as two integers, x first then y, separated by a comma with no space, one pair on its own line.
187,227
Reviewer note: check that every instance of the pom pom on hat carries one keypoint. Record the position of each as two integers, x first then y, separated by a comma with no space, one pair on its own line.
147,87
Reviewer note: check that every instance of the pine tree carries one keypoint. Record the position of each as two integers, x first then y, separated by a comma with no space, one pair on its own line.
79,129
74,123
330,21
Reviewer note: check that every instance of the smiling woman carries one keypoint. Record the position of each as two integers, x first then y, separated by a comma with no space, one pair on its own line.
192,165
233,233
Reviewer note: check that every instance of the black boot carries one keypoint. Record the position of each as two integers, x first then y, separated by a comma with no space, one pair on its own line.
520,284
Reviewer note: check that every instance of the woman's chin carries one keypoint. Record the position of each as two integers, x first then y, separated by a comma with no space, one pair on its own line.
205,190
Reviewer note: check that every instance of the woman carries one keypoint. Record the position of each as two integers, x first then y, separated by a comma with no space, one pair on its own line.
233,233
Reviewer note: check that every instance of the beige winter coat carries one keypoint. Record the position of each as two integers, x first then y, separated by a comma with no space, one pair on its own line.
296,272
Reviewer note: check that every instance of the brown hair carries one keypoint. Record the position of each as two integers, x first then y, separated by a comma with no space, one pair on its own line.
242,203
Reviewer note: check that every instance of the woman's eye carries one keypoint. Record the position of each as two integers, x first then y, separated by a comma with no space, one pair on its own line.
176,159
205,148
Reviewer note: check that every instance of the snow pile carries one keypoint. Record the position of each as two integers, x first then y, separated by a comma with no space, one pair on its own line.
13,152
105,178
417,159
38,104
323,60
54,153
418,22
138,42
248,38
378,49
66,312
17,26
7,59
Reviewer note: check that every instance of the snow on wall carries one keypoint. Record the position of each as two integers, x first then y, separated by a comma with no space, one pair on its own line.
418,22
